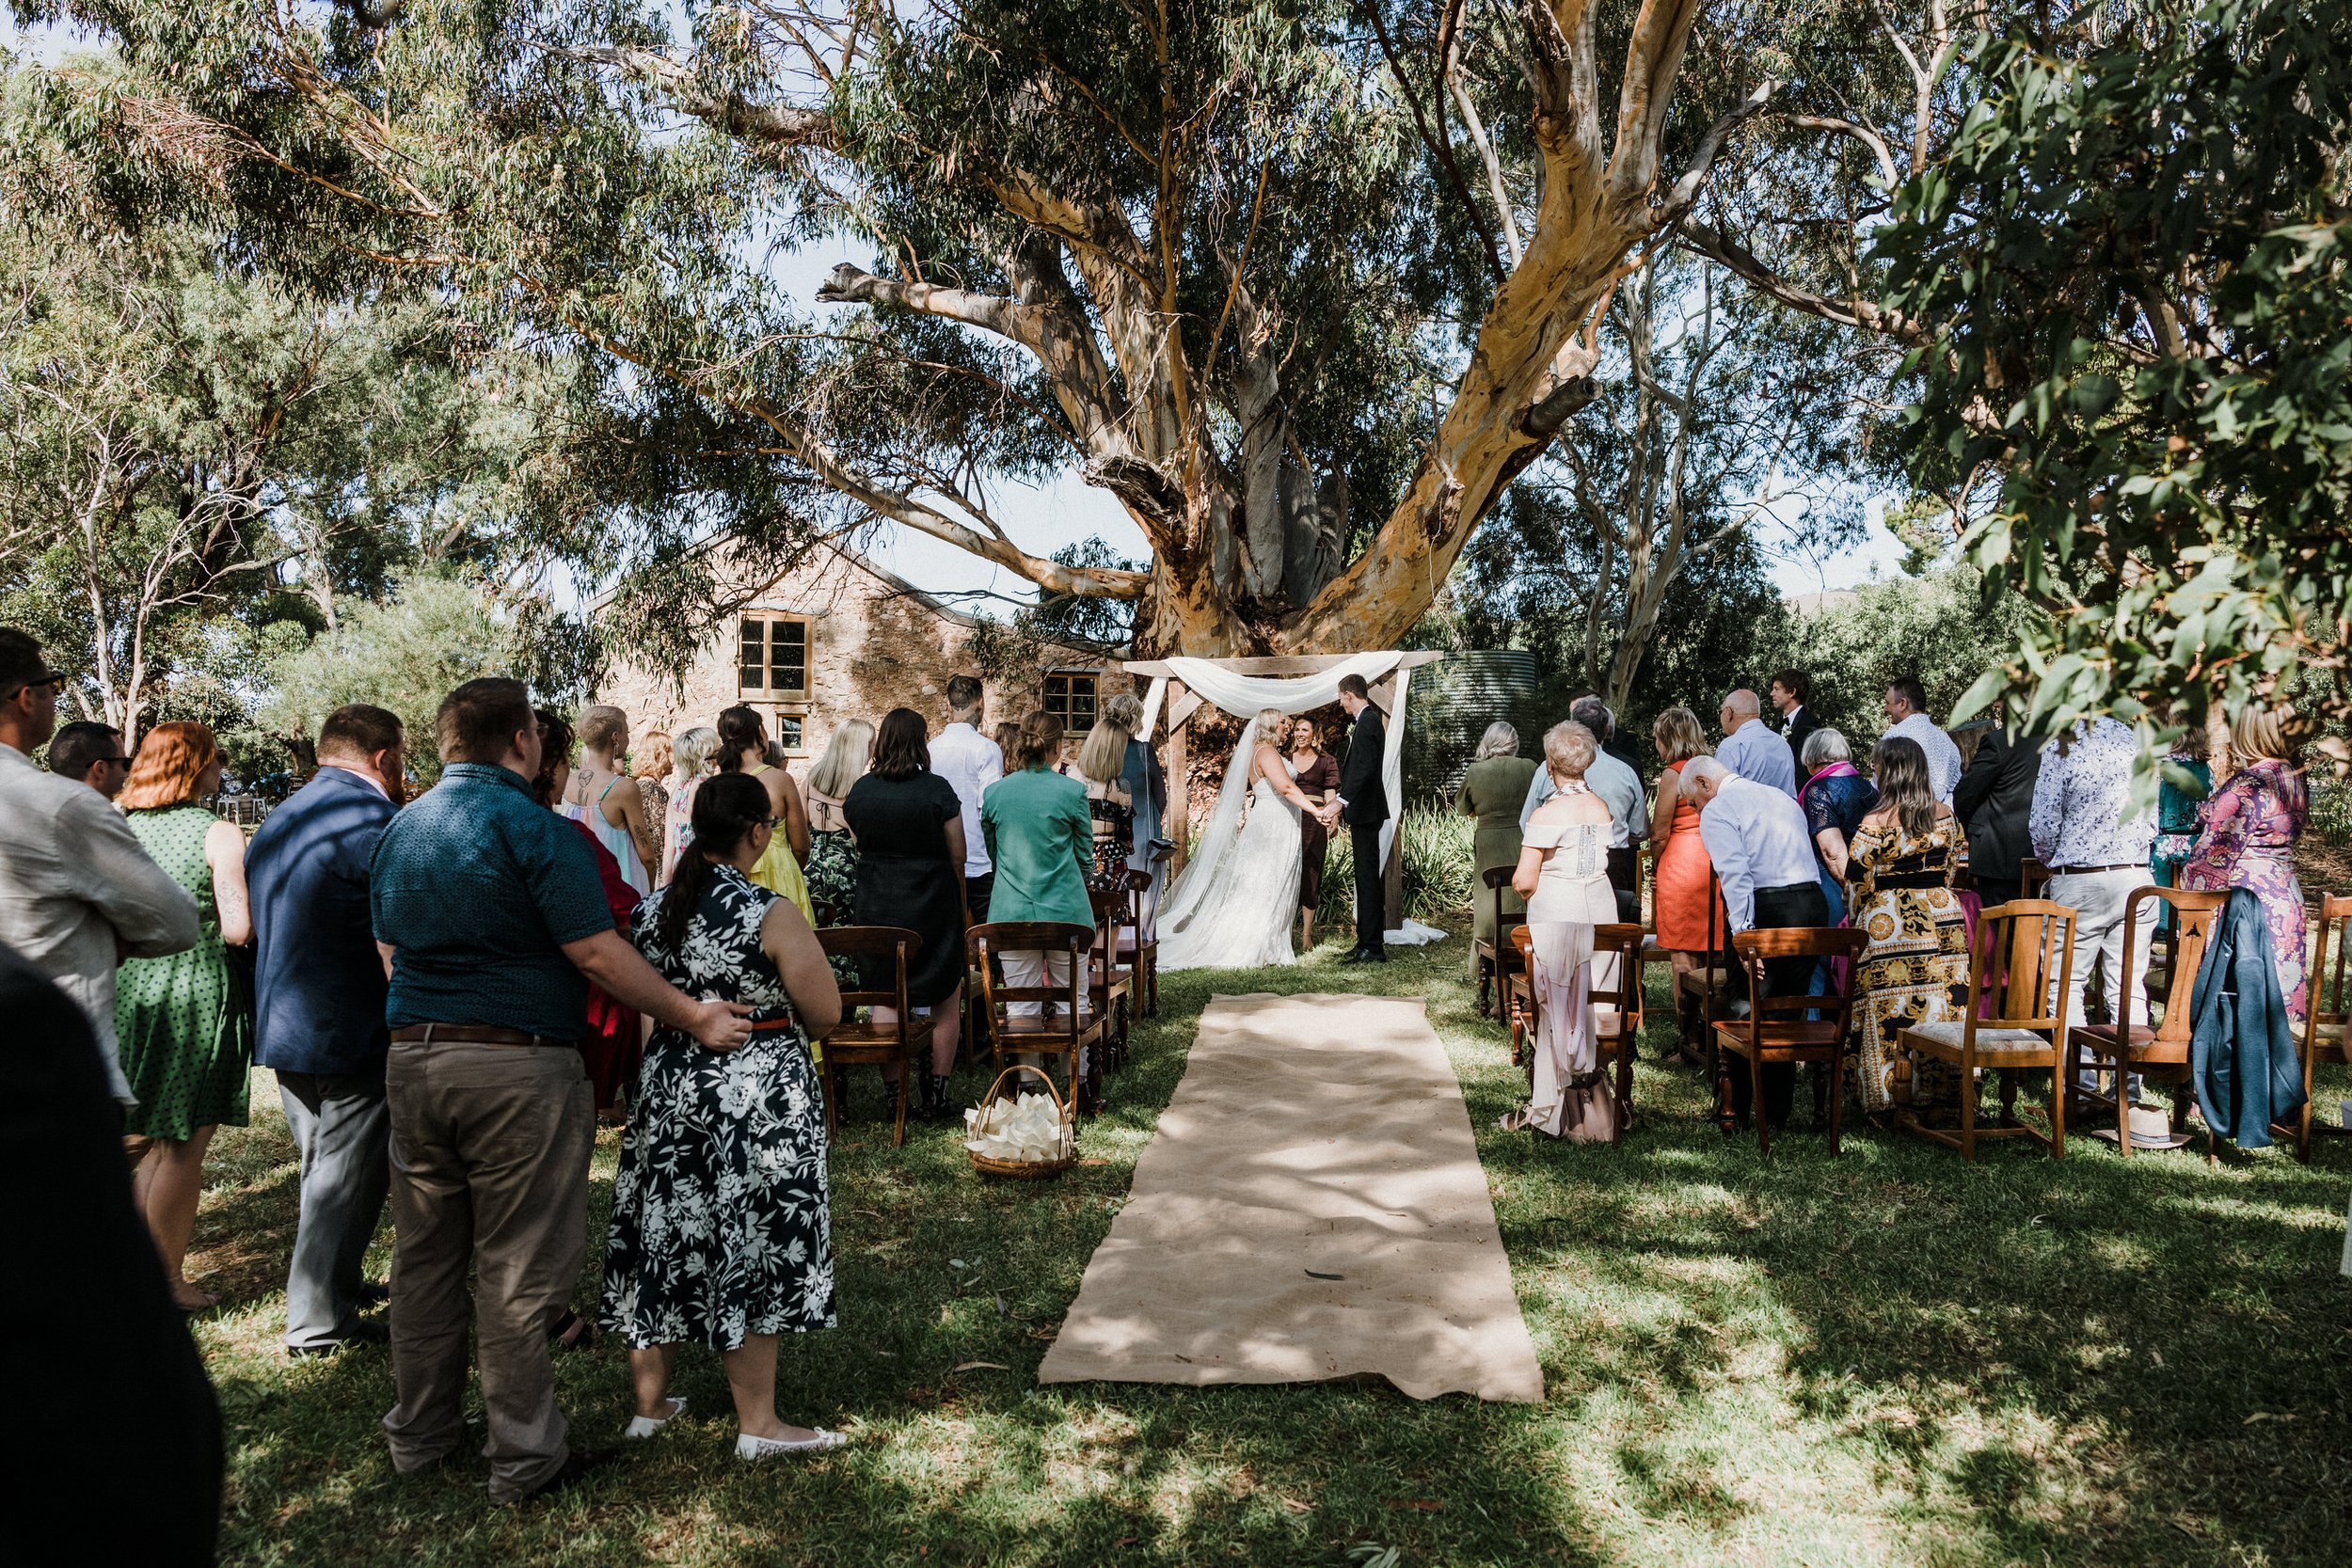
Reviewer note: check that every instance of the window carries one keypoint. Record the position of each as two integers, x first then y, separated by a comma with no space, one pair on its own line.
1070,697
772,660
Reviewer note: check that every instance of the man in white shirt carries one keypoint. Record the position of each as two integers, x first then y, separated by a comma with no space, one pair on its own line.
1763,857
1751,751
970,762
2096,854
1906,708
1619,788
78,894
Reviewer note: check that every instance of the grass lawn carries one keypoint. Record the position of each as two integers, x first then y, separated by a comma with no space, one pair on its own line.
1886,1358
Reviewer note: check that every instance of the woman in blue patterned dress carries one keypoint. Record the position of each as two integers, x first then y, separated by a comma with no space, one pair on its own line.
720,1232
2250,826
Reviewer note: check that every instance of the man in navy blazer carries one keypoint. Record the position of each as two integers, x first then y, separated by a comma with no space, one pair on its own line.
318,989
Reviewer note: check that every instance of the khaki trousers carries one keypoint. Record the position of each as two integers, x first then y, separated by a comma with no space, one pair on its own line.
490,1150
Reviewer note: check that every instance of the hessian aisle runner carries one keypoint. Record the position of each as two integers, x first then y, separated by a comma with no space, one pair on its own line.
1311,1206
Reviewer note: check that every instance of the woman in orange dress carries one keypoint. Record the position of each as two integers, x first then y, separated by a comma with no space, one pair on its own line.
1682,886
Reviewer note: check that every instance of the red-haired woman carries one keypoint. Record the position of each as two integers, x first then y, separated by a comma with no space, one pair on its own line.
185,1021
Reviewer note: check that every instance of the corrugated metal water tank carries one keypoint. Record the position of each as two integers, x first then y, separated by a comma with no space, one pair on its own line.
1451,705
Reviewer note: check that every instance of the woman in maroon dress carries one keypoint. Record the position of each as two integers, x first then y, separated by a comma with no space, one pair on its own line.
612,1044
1318,779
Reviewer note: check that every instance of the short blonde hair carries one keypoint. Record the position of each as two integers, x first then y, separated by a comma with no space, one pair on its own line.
1273,727
844,759
601,726
653,755
2260,730
1569,749
1103,757
1679,736
691,752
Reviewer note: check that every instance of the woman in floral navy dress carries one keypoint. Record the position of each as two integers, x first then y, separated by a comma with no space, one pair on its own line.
720,1232
2251,824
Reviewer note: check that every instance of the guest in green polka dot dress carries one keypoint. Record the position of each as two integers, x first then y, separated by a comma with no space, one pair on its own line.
186,1021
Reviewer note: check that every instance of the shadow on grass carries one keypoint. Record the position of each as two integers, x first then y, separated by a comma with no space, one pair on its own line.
1886,1358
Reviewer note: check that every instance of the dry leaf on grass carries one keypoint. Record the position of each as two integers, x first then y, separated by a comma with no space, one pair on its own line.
977,1367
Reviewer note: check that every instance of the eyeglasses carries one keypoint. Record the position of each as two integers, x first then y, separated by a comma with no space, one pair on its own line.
118,757
772,823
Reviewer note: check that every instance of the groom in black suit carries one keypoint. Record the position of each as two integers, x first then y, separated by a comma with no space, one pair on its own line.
1365,805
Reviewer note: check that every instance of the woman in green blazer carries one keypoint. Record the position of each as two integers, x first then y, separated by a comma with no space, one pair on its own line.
1494,791
1040,837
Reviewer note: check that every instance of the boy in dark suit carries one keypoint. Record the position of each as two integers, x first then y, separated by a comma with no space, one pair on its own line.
1364,804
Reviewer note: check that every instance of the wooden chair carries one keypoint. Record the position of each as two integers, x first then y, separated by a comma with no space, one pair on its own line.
1778,1030
2032,877
2327,1009
1142,950
1496,958
1705,986
1616,1010
1110,983
2022,956
1065,1026
898,1048
2160,1052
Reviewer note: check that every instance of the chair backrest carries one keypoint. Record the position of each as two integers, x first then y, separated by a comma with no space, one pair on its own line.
1498,880
2193,917
998,937
1754,949
2325,1006
2023,958
894,944
1625,941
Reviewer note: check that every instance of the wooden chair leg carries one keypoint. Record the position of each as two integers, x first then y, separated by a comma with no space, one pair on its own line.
1625,1081
1969,1093
1837,1092
899,1092
1755,1103
2057,1115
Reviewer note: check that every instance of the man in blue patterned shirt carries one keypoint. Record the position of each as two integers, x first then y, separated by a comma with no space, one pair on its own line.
492,921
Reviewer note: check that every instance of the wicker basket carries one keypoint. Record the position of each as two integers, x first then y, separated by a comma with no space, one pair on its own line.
1028,1171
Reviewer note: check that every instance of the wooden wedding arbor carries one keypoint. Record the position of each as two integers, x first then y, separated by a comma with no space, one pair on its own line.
1180,704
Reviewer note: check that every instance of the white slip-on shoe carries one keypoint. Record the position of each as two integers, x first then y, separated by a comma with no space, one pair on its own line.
754,1448
645,1426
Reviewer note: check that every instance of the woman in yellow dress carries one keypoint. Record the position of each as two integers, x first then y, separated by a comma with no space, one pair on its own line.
743,749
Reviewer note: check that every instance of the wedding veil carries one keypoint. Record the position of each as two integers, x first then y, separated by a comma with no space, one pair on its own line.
1200,890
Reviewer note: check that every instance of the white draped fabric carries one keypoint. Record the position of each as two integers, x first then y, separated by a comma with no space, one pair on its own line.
1227,871
1243,695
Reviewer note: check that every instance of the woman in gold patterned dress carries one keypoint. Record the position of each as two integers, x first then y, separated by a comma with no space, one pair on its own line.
1899,867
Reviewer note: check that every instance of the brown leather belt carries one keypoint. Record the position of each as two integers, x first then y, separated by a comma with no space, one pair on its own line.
2094,870
470,1033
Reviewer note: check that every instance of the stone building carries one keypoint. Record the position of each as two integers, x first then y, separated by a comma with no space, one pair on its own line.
837,637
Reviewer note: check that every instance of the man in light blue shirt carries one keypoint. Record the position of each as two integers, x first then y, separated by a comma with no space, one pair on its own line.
1750,750
1620,788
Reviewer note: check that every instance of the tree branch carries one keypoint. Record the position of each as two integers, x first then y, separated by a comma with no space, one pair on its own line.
778,125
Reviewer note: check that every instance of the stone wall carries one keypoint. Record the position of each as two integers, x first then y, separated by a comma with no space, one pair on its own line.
874,645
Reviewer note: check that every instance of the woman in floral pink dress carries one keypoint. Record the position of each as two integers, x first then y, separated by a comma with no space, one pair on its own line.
2250,826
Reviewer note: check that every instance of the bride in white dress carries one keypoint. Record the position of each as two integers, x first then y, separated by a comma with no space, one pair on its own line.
1237,902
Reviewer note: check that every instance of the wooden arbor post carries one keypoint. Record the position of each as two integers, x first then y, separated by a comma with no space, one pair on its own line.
1181,703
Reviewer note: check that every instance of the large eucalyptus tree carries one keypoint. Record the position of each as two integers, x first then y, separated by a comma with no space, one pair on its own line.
1304,284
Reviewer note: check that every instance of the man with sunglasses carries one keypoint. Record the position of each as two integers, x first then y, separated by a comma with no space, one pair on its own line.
91,753
77,892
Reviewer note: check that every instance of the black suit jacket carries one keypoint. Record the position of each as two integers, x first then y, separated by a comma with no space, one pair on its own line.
1993,801
1797,729
126,1466
1359,775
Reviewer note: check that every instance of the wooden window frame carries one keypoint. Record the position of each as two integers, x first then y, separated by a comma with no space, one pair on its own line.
768,620
1093,678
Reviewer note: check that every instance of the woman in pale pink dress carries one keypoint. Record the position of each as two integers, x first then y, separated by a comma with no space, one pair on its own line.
1564,874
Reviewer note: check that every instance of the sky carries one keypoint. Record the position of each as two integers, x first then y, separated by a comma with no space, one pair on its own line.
1043,518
